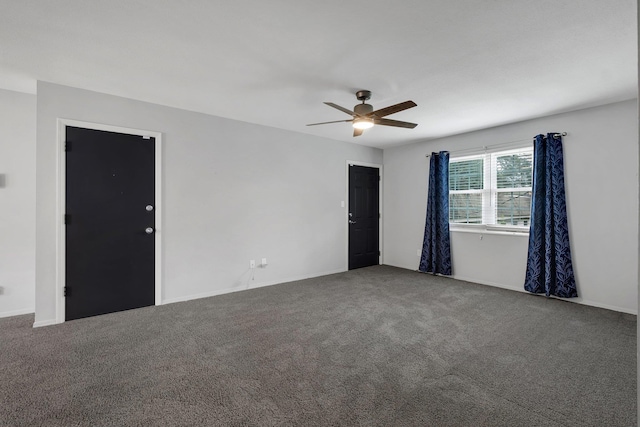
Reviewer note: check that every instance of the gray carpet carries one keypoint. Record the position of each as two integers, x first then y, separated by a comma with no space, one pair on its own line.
379,346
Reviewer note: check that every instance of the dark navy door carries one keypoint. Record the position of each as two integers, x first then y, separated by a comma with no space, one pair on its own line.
364,216
110,212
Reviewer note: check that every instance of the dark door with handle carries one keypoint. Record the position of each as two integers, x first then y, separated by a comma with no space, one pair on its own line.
109,231
364,216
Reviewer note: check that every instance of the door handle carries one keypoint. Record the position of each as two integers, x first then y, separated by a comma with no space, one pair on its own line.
148,230
351,222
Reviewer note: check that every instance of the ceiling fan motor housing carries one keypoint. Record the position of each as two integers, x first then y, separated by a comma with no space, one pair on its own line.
363,109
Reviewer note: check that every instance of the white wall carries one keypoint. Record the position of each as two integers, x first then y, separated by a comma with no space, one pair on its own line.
232,191
601,177
17,202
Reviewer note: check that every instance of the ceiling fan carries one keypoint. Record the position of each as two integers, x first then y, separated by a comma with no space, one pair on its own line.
364,117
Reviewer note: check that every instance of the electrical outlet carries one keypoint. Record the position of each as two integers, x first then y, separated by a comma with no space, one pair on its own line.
252,263
263,263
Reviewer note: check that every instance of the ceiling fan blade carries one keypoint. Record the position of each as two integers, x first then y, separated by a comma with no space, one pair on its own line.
396,123
357,132
325,123
393,109
336,106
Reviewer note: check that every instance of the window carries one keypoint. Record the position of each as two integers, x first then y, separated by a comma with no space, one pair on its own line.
492,188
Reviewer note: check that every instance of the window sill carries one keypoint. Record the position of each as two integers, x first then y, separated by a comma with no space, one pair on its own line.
489,229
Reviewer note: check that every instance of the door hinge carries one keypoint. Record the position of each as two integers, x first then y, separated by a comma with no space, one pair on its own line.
67,146
67,219
67,291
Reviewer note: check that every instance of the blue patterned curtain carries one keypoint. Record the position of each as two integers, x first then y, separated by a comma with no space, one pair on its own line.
549,267
436,248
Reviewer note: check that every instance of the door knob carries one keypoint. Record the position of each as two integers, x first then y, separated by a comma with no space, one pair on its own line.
149,208
148,230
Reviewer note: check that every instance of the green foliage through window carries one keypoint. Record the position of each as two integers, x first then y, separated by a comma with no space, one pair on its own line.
514,171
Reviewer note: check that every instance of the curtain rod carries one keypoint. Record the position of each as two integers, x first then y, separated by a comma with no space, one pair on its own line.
555,135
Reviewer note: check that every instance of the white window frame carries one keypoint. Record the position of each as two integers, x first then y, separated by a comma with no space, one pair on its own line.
490,192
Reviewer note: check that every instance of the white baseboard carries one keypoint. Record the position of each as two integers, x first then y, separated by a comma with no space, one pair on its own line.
599,305
49,322
253,286
41,323
406,267
17,312
578,300
487,283
326,273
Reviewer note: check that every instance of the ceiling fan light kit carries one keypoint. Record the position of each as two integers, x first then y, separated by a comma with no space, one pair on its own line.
363,123
364,117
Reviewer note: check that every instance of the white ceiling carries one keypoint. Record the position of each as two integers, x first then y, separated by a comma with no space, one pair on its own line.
468,64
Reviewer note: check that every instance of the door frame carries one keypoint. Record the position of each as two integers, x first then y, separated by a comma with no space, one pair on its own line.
61,203
346,210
